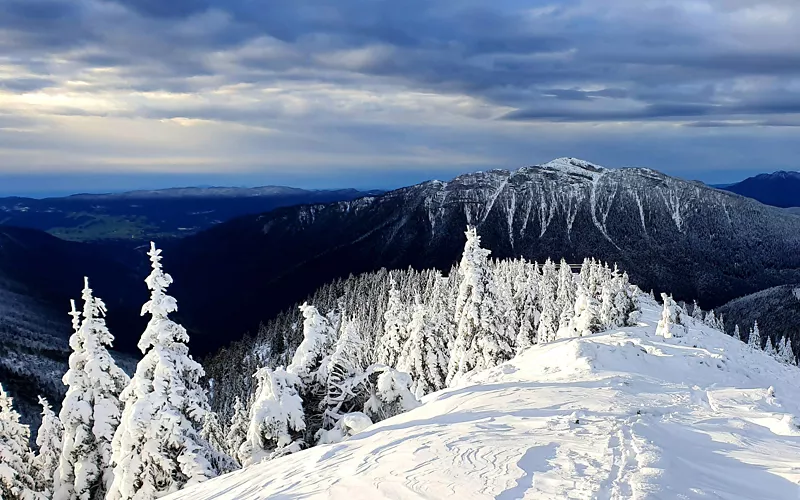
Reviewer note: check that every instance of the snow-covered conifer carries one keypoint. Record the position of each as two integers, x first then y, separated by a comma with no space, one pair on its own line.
528,312
565,295
317,333
785,352
390,393
49,440
237,430
670,324
548,287
91,409
347,360
697,313
276,417
212,433
737,333
754,339
769,348
158,448
16,481
396,320
587,314
483,339
424,357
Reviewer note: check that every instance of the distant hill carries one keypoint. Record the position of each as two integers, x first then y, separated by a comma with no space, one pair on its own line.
779,189
142,215
776,309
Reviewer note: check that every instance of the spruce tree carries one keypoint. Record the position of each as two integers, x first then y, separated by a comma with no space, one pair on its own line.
49,440
394,331
277,419
737,333
91,409
237,430
158,448
548,288
482,339
424,357
670,324
769,348
754,339
16,480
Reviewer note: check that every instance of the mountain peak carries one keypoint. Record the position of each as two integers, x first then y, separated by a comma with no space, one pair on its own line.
573,166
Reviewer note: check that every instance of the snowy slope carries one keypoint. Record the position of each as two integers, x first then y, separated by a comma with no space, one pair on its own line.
624,414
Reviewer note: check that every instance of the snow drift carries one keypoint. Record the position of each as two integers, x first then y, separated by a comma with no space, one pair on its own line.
622,414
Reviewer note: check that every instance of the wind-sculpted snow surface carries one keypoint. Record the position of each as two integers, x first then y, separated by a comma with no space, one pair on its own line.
618,415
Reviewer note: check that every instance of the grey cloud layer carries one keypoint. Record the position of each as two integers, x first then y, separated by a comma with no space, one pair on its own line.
295,66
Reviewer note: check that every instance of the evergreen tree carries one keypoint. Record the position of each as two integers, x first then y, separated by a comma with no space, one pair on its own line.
390,393
396,320
670,324
158,448
425,355
528,312
49,439
237,430
212,433
565,296
785,352
347,360
754,338
697,313
587,314
16,481
483,339
769,348
548,320
277,419
736,333
91,409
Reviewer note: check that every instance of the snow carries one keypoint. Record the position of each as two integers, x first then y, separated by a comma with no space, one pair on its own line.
620,414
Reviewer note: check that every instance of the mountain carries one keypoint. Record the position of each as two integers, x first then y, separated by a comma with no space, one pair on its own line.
668,234
39,274
621,414
776,309
780,189
141,215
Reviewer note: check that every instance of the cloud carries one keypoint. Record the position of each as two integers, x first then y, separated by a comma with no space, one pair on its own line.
472,74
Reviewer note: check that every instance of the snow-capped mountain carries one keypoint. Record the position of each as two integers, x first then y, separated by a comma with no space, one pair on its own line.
616,415
781,189
669,234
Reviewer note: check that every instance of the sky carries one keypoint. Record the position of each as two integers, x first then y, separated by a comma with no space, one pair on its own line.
107,95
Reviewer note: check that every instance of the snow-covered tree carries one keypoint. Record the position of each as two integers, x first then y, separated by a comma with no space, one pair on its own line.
425,355
317,335
587,314
697,313
16,481
483,339
549,317
769,348
276,417
396,320
390,393
527,310
785,352
91,409
212,433
158,448
737,333
565,295
49,441
670,324
347,360
754,338
237,430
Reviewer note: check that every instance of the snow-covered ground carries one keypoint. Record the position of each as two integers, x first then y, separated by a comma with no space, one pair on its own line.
623,414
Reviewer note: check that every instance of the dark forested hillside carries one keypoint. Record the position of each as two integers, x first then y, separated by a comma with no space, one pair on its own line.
780,189
777,311
669,234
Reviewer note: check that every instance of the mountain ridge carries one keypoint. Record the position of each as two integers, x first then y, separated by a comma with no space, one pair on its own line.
667,233
780,188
